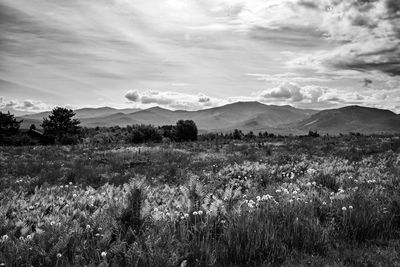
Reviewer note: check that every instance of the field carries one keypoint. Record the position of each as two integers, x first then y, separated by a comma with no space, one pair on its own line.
288,201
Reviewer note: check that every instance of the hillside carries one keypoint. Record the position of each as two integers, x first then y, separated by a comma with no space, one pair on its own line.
352,119
247,116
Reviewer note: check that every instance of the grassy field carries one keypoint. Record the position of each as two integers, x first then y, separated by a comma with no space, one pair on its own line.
326,201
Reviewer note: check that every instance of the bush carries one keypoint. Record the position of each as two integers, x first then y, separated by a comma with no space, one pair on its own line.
143,134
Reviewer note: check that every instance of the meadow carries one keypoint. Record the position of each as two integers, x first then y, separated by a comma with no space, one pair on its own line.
287,201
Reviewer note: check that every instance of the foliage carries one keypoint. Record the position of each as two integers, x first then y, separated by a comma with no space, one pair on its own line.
193,204
143,134
186,130
60,126
9,126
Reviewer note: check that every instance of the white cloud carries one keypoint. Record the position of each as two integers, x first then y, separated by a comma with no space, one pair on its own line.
173,100
205,46
285,91
24,105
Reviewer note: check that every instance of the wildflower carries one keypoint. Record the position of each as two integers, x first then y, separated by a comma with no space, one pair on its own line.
155,209
52,223
88,227
104,254
195,213
59,255
97,234
4,238
223,221
29,237
278,190
351,207
258,198
100,229
186,215
200,212
70,183
344,208
324,203
74,195
314,183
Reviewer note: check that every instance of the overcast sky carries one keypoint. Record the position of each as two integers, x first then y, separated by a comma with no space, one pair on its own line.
194,54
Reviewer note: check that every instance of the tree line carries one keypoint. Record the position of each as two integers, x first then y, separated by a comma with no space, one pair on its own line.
60,127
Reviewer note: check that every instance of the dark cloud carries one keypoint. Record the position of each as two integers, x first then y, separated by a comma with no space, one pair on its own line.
204,99
391,68
294,35
367,82
308,4
156,99
11,104
393,7
132,95
28,104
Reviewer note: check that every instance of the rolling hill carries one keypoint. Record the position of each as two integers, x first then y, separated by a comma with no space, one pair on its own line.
91,115
351,119
247,116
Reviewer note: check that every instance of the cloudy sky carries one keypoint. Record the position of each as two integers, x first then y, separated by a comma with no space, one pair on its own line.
194,54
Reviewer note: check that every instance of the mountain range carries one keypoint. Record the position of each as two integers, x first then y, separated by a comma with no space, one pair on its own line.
247,116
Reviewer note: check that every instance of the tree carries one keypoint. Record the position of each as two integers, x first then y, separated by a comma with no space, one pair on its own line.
60,125
186,130
250,135
237,134
9,127
143,133
313,134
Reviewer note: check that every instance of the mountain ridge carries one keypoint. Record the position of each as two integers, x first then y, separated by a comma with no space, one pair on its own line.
247,116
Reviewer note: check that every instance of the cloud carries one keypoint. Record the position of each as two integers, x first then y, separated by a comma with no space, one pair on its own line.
25,105
204,99
132,95
366,35
367,82
284,91
225,48
174,100
313,96
292,93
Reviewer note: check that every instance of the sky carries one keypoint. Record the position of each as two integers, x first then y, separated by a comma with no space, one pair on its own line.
196,54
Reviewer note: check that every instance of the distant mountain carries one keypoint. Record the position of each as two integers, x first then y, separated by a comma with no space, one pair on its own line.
92,115
227,117
352,119
15,112
86,113
247,116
